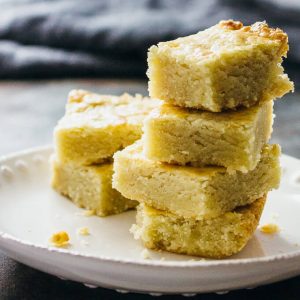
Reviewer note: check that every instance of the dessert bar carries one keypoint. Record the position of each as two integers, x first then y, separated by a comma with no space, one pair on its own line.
192,191
230,139
96,126
223,67
214,238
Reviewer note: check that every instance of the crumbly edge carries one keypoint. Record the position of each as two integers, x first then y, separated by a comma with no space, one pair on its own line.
148,220
158,84
259,28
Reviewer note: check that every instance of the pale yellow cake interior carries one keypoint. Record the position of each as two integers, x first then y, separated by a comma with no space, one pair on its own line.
89,187
230,139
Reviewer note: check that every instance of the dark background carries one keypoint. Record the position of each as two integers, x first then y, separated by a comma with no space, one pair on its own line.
44,45
110,38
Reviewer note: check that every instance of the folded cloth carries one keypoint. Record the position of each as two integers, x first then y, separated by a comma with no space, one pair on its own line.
67,38
26,61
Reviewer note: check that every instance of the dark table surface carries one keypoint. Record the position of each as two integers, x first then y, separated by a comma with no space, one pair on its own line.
28,113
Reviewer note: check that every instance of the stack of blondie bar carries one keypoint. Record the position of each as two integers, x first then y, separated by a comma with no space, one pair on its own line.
203,168
93,129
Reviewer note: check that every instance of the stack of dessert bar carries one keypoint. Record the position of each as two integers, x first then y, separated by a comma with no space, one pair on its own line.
203,168
93,129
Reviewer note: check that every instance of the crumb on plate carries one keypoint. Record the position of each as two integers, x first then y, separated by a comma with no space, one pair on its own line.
60,239
270,228
89,213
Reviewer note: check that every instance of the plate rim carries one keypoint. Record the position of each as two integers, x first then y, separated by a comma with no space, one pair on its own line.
155,263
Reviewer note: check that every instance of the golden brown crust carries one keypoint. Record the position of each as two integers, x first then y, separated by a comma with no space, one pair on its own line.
262,29
256,207
230,24
259,28
77,95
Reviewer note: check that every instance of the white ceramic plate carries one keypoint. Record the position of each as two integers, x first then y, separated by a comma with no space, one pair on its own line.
30,212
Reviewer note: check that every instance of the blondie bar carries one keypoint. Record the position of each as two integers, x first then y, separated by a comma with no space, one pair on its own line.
96,126
214,238
192,191
230,139
223,67
89,187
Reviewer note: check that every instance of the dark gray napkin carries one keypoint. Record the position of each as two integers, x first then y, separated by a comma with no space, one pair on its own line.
76,38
